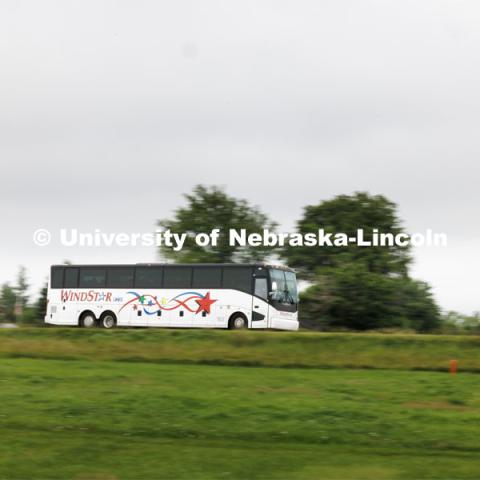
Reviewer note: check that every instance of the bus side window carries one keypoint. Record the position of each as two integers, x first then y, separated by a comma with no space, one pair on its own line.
149,277
207,277
120,277
56,280
177,277
71,277
238,278
261,289
92,278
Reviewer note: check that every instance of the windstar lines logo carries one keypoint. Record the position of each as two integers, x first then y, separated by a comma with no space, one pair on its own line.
89,296
151,305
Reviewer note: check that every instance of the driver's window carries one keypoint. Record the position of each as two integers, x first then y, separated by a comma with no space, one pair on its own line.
261,289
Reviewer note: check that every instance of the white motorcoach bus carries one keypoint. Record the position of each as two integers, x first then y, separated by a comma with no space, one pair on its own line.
181,295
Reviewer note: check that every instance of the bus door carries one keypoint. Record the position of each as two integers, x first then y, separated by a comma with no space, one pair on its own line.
260,304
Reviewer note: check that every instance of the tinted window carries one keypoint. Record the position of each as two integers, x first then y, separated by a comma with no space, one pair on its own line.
92,278
207,277
71,277
292,285
177,277
238,278
56,277
148,277
261,289
120,277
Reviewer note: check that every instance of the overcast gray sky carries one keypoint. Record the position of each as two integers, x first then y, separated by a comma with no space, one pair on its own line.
110,110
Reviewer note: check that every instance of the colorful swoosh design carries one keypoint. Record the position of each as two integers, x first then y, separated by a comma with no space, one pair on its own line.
151,306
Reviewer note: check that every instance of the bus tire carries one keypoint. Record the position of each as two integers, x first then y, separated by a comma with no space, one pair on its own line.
238,321
87,320
108,320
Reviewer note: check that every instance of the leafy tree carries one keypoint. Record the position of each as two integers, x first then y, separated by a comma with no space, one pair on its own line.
357,287
29,315
350,296
41,304
21,291
209,208
7,303
22,287
455,322
471,323
346,214
417,305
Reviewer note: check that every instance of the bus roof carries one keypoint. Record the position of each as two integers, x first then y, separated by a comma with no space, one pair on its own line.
258,264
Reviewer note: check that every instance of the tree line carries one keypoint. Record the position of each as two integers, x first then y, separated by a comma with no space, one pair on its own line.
16,305
345,287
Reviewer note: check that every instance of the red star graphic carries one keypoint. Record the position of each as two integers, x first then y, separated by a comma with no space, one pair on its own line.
204,304
135,307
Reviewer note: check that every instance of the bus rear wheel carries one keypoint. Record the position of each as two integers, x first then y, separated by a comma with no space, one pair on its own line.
108,320
237,321
88,320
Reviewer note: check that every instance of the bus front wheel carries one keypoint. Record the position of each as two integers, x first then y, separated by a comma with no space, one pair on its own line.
108,320
88,320
237,321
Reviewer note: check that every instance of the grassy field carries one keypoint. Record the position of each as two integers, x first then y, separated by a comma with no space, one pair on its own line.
184,405
246,348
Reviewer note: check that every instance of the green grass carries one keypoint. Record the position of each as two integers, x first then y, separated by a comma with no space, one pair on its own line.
246,348
73,413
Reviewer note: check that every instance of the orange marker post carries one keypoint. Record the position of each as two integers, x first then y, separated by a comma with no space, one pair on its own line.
453,367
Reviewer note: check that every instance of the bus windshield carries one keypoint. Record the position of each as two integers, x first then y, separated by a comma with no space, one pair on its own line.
284,286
